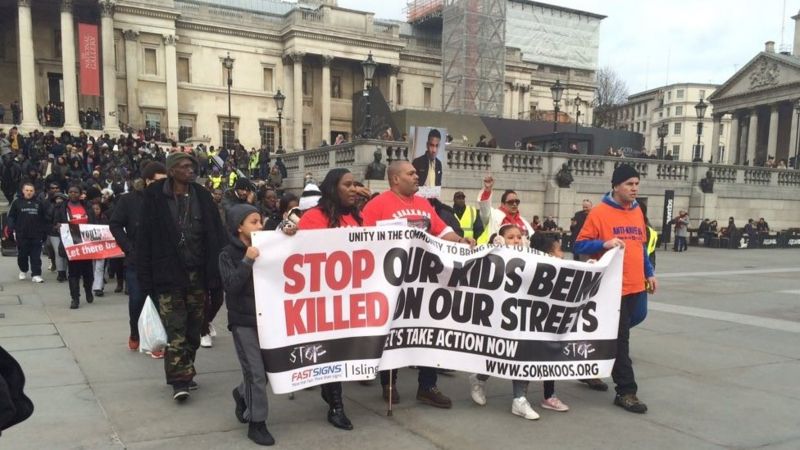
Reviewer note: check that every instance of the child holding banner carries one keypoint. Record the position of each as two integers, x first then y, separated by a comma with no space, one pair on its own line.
236,271
75,212
511,235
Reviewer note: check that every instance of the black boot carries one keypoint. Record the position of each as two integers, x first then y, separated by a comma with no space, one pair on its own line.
258,433
62,276
332,394
75,288
75,303
87,288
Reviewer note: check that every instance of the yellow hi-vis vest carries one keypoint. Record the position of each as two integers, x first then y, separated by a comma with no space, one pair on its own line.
254,161
652,241
216,182
466,222
232,178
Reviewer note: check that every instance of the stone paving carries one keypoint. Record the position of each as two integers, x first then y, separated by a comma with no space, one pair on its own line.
717,361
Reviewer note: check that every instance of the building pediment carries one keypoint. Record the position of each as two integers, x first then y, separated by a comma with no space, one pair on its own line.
765,72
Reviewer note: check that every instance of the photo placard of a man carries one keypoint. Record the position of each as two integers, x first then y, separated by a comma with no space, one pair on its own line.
427,159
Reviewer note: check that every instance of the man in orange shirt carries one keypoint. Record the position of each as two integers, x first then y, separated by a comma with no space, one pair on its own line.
618,222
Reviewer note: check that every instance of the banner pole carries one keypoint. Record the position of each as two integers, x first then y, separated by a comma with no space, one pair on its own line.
389,411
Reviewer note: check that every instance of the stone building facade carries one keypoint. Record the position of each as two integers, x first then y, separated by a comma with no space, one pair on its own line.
162,66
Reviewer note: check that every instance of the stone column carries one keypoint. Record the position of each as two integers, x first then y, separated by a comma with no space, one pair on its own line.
514,101
326,99
27,71
393,72
297,100
526,102
110,119
68,67
733,140
752,135
772,139
132,78
716,119
793,136
172,84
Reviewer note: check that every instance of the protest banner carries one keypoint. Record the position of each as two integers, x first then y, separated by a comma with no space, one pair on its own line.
88,241
341,304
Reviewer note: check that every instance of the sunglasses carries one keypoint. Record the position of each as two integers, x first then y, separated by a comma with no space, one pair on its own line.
512,202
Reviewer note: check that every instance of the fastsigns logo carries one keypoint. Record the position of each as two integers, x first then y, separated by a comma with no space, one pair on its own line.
307,354
315,372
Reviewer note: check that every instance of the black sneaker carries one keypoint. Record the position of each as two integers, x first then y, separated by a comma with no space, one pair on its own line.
434,397
74,304
595,384
89,297
258,433
240,406
630,403
180,393
99,293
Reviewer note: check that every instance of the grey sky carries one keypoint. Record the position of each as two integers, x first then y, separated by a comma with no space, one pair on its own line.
704,40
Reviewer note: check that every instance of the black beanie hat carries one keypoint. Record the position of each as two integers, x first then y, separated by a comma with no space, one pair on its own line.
622,173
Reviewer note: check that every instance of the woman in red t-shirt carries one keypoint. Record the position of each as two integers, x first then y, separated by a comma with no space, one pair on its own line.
336,209
74,212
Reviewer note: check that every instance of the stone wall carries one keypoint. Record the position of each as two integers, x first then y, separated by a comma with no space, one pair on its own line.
739,191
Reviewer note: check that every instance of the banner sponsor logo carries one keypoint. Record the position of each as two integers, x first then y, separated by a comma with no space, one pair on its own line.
338,305
89,58
89,241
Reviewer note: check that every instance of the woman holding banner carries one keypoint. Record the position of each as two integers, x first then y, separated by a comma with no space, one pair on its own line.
336,209
75,212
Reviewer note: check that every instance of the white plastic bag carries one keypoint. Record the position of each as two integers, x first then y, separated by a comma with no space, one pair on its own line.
152,335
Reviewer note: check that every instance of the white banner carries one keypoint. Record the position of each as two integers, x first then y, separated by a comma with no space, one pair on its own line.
341,304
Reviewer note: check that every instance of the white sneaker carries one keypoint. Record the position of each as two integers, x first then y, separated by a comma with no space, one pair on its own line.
37,279
521,407
23,275
211,330
477,389
205,341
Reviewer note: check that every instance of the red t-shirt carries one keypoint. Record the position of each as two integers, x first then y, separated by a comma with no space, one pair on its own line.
315,219
418,211
77,214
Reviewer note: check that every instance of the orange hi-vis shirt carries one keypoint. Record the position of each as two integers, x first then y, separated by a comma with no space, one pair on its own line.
609,220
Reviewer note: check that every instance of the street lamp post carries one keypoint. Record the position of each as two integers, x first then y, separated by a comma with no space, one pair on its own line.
279,99
578,102
663,129
700,109
368,66
556,89
228,64
797,139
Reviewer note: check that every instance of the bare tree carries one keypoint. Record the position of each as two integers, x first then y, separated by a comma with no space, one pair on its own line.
612,91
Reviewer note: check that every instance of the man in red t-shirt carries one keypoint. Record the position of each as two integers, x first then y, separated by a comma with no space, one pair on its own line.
400,202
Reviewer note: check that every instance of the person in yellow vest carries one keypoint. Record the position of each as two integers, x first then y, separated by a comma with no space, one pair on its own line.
215,179
254,157
639,314
232,176
469,219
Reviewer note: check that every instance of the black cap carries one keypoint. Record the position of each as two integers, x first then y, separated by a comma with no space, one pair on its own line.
622,173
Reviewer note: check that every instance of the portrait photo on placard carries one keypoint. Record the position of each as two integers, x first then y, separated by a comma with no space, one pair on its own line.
429,151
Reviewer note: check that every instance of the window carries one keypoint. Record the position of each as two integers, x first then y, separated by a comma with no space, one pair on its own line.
669,95
679,93
305,138
668,108
185,128
183,69
679,110
721,129
676,151
150,62
426,97
399,92
228,131
152,121
644,126
636,127
336,86
645,108
638,110
267,131
268,86
308,86
677,129
702,94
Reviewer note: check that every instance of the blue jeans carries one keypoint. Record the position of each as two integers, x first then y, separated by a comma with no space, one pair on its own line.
638,308
136,300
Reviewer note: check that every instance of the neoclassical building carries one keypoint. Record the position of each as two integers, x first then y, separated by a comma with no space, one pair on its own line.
162,65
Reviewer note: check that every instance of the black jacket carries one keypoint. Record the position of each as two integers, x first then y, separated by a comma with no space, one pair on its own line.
15,406
28,218
236,272
158,263
422,165
125,222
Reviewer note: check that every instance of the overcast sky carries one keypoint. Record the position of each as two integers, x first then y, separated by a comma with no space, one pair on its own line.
652,42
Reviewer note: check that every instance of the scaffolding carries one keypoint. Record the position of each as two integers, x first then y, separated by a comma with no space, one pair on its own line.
473,56
421,11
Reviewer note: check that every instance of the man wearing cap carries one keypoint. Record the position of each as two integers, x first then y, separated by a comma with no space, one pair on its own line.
618,222
178,243
469,219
